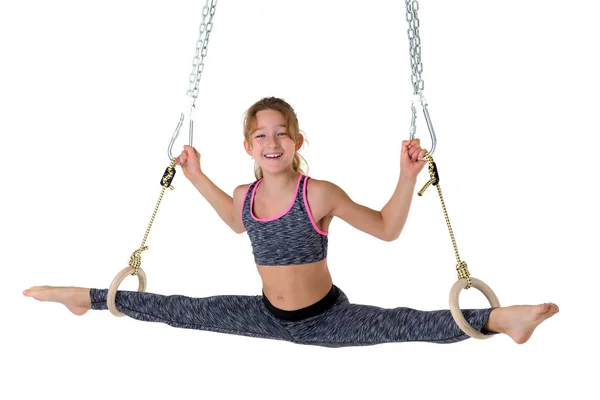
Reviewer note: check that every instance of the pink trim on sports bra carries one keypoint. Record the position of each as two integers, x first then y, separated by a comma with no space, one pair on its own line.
277,216
312,220
244,202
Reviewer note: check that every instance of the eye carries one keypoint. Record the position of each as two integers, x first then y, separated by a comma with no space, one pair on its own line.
282,133
259,136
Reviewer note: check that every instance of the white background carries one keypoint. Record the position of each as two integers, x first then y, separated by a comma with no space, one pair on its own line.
91,92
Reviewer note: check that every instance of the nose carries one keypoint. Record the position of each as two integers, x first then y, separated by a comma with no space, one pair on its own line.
272,140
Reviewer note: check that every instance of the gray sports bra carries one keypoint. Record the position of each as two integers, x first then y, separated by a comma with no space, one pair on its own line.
290,238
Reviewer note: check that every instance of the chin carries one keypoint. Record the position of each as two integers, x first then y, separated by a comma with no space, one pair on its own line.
276,169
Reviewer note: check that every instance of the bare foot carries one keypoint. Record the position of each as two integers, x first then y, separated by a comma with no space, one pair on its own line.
519,322
76,299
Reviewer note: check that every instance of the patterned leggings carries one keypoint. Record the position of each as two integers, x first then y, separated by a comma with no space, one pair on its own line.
332,322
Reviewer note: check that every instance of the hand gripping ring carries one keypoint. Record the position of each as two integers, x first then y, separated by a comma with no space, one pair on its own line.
112,291
455,308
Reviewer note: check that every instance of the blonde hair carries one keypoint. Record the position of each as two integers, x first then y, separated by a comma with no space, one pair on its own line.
276,104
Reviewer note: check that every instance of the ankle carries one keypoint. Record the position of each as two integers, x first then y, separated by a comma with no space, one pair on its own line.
83,297
494,322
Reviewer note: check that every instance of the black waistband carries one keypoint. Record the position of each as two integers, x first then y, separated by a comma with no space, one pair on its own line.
310,311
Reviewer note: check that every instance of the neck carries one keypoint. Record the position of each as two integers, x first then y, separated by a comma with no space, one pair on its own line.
276,183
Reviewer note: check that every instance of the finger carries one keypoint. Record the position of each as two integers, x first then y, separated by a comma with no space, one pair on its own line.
188,150
413,152
416,153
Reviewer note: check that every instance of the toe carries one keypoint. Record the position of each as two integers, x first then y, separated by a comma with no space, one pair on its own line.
543,308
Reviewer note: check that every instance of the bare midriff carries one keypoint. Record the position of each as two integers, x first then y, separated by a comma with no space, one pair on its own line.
291,287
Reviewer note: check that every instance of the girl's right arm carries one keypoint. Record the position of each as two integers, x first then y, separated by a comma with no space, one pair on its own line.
228,208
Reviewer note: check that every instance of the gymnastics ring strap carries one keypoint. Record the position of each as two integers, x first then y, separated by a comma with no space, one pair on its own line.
465,281
135,260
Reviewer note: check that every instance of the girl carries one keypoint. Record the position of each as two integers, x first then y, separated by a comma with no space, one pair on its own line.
286,216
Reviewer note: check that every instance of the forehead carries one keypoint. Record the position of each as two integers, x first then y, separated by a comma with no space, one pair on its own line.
269,118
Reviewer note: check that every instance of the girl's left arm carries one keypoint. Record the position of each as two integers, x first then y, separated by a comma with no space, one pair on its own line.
385,224
388,223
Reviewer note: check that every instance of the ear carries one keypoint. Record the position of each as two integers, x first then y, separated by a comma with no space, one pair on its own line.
248,147
299,141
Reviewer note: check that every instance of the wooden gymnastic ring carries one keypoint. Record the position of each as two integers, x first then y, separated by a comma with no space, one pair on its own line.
455,308
112,291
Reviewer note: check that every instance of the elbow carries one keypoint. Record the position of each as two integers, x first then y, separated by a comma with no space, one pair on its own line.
389,233
390,237
239,229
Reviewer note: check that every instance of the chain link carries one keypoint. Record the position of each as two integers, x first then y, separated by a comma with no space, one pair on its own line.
201,48
414,40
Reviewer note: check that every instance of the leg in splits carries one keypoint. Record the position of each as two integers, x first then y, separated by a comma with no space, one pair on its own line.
231,314
347,324
336,322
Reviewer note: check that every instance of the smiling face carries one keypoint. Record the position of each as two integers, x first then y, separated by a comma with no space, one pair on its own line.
271,143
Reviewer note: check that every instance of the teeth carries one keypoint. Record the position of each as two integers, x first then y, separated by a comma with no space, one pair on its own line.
273,155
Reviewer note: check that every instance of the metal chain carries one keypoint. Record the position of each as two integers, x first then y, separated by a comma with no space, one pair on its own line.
414,40
201,49
206,26
416,66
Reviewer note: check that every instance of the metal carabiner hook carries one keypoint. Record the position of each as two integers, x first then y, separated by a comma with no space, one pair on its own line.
176,134
413,126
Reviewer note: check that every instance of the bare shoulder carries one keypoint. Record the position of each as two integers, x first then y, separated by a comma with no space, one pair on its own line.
240,190
323,187
238,201
324,196
239,193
